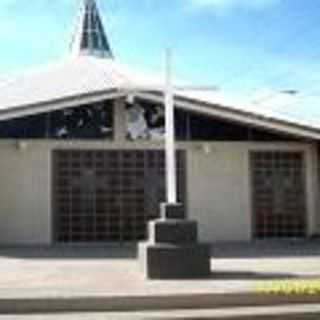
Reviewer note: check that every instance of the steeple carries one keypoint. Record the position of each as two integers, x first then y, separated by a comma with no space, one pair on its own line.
90,37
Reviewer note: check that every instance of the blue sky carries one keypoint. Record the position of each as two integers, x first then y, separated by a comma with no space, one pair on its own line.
248,47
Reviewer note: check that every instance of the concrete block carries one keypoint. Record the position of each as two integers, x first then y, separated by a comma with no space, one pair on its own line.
173,231
165,261
172,211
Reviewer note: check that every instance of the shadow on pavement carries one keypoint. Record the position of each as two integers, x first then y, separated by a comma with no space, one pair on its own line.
72,252
247,275
267,249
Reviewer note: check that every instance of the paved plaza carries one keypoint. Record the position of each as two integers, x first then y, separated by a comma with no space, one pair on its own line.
114,270
109,279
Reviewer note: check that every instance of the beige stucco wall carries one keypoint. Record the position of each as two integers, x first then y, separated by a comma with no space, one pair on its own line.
218,186
220,189
218,192
317,189
24,195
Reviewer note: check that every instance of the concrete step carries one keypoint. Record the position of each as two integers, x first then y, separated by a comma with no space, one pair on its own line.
163,261
180,232
286,312
100,303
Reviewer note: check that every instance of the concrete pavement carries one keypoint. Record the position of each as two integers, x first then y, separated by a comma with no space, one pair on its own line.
108,278
32,271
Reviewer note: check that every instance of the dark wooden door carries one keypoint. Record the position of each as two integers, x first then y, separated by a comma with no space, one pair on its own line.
278,192
108,196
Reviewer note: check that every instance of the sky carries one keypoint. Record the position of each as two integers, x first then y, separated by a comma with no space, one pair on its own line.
258,49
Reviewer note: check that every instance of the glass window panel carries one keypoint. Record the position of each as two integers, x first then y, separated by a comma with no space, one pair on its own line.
279,200
83,122
98,211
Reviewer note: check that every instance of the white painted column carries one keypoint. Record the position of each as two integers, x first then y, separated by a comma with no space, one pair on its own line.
171,177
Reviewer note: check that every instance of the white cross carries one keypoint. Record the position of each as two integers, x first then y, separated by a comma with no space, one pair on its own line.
168,89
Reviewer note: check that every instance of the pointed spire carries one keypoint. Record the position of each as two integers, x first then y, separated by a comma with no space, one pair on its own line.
90,37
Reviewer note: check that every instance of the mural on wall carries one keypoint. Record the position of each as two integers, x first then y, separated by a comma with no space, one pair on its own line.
93,121
145,121
83,122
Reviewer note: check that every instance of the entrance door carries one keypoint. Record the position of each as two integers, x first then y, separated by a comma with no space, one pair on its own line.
279,197
108,196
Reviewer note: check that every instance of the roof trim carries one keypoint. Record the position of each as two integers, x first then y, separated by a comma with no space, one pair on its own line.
58,104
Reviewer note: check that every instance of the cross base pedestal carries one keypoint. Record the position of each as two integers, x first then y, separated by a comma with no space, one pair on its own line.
172,250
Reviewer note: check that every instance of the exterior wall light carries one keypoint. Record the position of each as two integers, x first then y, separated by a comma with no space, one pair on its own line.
206,148
21,145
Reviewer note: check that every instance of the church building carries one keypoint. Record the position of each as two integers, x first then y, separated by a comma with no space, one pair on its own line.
82,155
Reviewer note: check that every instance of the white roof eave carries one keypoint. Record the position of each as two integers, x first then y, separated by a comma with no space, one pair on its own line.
58,104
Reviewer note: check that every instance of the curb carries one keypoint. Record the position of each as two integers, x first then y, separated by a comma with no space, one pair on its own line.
146,303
